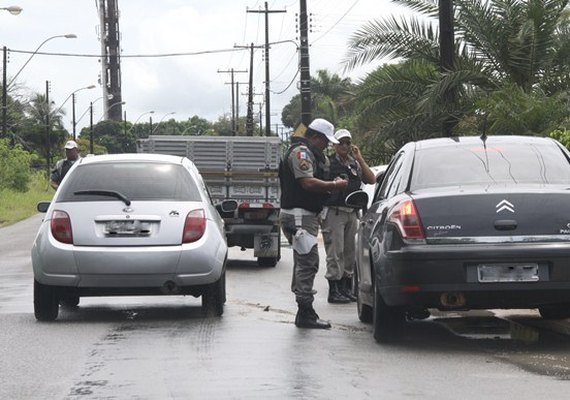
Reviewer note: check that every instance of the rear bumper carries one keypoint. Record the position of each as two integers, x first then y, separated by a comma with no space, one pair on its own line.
66,265
419,275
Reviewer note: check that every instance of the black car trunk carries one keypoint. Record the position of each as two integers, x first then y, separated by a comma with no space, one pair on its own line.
495,213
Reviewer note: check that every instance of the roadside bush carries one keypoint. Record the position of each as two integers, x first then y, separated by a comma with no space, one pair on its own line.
15,171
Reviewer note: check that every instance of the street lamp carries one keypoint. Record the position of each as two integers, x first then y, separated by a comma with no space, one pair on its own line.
14,10
67,36
5,86
162,119
111,106
73,123
72,95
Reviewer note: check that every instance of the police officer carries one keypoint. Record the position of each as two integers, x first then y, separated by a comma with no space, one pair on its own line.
304,190
339,222
63,165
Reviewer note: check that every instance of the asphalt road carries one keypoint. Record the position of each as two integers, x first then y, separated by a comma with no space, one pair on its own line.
163,348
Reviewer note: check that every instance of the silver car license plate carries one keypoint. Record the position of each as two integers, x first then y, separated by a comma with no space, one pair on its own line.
127,228
507,272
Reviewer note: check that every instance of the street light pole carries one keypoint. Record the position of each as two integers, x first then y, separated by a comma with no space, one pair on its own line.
14,10
67,36
162,119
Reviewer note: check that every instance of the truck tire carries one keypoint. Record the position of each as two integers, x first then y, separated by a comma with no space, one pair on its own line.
46,302
267,261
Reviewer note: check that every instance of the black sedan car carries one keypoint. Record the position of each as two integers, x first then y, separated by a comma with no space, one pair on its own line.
466,223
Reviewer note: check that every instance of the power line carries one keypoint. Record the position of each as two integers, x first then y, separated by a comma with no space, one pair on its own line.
195,53
337,22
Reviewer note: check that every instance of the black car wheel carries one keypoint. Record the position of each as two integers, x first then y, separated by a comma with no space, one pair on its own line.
387,321
559,311
46,302
364,310
214,297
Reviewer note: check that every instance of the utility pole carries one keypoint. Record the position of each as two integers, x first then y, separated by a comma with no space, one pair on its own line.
48,133
91,146
306,115
73,123
111,59
232,72
4,93
249,120
267,78
446,50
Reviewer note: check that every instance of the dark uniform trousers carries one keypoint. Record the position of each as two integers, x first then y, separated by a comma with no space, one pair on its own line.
305,266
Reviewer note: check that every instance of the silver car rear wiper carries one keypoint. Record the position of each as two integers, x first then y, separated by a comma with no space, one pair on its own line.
110,193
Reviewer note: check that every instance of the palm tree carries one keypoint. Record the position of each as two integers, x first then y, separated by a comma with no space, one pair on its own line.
33,133
498,43
331,97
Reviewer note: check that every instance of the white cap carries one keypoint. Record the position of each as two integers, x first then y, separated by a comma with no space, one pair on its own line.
70,145
325,127
342,133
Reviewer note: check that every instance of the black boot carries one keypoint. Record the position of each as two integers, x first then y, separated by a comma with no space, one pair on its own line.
308,318
335,296
346,288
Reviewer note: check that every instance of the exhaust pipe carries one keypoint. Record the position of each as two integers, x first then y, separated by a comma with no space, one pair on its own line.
170,287
452,300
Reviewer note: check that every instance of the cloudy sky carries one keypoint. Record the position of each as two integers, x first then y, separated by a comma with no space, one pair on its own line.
186,85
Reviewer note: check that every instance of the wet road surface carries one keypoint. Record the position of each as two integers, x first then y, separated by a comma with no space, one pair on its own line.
163,348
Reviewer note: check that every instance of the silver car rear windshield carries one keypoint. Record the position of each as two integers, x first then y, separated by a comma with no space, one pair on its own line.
143,181
501,164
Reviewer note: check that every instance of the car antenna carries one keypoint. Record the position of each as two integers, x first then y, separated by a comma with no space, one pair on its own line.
483,138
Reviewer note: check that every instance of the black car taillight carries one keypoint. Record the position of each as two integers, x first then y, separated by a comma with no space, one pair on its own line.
61,227
195,226
405,216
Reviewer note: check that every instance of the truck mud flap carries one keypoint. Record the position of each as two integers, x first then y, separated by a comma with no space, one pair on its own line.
266,244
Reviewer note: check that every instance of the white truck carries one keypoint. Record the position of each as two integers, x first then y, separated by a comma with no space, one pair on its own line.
241,173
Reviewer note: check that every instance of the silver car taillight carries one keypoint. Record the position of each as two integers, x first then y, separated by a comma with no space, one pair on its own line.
61,227
195,226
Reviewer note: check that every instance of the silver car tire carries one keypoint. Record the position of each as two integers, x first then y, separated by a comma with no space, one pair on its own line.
46,302
69,301
214,297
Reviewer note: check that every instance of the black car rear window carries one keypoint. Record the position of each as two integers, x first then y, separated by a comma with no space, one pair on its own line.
144,181
502,163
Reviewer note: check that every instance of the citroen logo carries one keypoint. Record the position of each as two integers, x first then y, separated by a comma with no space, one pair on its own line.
505,205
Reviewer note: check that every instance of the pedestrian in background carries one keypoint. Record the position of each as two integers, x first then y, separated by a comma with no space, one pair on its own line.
304,191
62,166
339,222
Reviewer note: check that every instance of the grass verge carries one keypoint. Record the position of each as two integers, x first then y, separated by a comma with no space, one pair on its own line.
16,206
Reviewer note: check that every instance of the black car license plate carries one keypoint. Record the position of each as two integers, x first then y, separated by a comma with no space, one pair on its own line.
507,272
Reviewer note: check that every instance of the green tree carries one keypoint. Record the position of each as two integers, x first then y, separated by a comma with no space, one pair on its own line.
33,133
331,99
498,44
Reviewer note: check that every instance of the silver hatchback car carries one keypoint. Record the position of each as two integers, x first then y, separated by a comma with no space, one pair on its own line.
129,224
